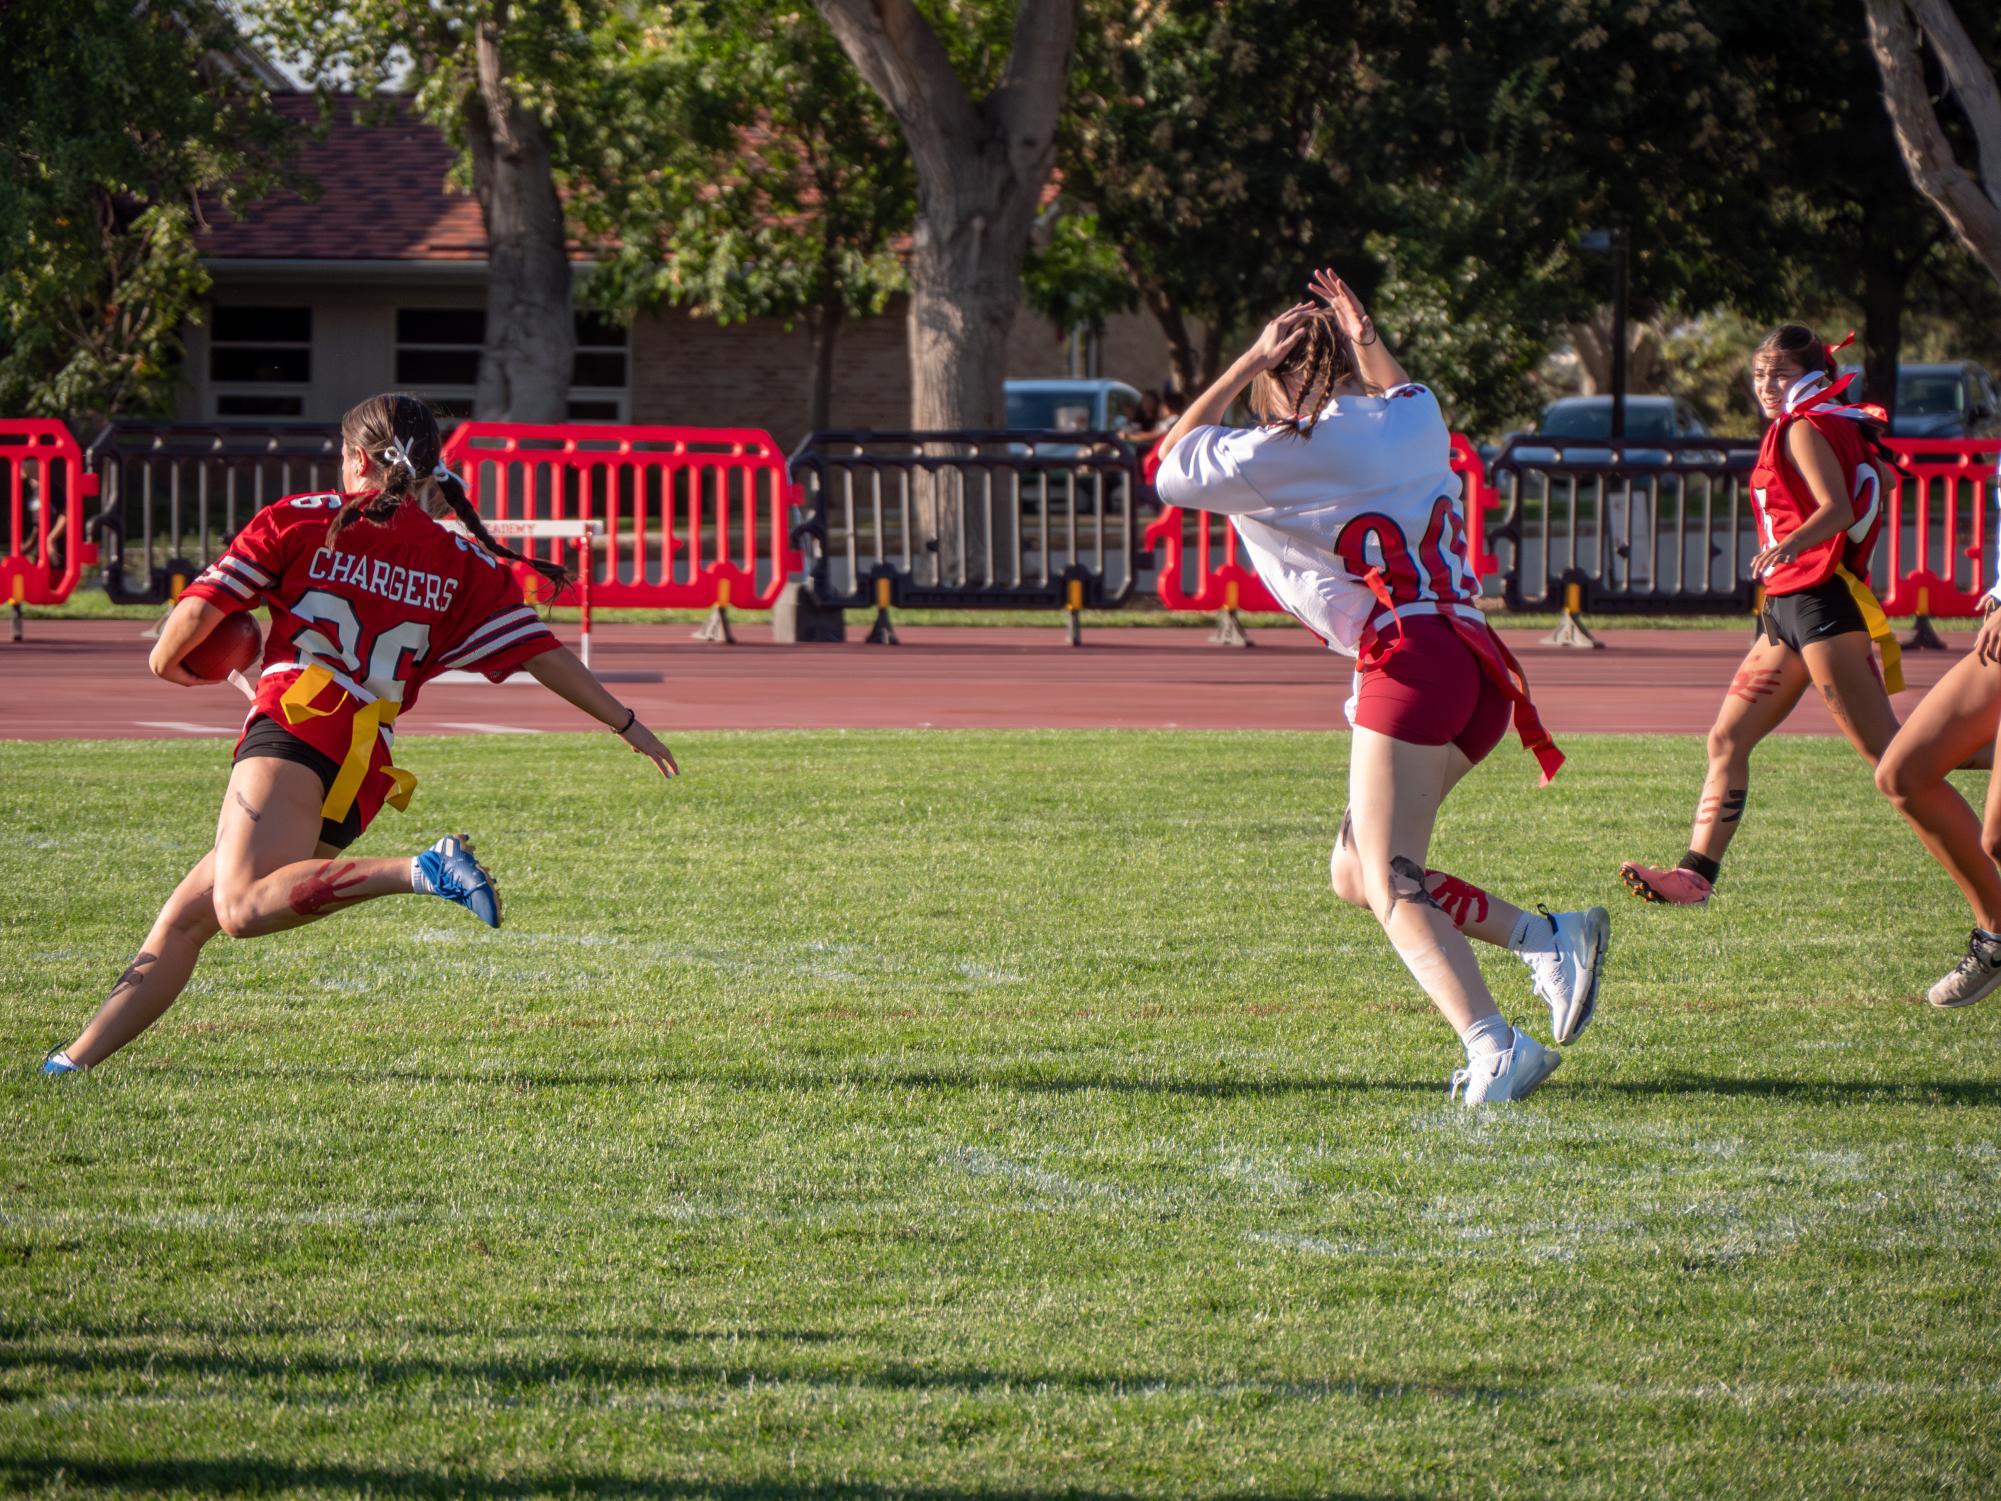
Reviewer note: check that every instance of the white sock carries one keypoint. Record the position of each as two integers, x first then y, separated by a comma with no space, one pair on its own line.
1487,1037
419,882
1533,933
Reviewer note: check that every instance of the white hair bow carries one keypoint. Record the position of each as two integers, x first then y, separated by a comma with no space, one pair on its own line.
394,453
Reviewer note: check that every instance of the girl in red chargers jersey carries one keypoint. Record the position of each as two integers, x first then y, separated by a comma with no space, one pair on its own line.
1346,502
370,598
1818,491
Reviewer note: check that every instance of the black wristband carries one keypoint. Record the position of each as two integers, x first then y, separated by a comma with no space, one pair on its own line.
631,719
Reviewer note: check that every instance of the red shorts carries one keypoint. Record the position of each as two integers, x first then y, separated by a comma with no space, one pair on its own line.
1431,690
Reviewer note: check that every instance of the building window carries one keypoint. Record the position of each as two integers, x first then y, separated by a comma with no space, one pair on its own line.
260,360
598,375
437,354
437,349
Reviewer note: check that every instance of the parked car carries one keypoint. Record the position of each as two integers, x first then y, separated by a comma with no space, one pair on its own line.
1570,425
1070,406
1957,399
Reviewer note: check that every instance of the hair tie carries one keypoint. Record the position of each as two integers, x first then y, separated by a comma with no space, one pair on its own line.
394,453
441,470
1834,349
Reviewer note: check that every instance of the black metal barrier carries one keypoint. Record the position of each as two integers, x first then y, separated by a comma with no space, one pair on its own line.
994,520
1656,525
173,494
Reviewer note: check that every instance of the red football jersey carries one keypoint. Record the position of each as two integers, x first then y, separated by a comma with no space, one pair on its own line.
383,608
1783,501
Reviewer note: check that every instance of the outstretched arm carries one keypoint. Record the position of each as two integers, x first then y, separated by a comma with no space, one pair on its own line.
1373,359
562,674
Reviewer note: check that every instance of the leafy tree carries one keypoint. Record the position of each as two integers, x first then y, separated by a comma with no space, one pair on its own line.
522,87
1191,140
777,184
118,122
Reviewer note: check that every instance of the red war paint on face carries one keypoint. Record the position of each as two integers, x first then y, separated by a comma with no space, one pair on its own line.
1461,901
323,889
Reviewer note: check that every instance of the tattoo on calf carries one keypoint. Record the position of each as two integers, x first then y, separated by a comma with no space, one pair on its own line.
134,972
323,889
1344,837
1834,704
1722,807
1754,686
1459,900
244,803
1407,883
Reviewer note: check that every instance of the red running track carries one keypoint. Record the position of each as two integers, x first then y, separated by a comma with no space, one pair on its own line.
89,679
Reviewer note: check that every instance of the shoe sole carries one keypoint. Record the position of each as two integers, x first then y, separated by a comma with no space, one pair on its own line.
1637,884
1598,930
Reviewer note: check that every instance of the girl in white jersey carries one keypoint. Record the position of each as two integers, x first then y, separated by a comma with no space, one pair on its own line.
1346,502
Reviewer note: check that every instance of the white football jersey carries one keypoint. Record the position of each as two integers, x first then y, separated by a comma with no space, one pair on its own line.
1369,490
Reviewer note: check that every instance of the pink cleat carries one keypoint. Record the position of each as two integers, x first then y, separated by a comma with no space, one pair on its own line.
1677,887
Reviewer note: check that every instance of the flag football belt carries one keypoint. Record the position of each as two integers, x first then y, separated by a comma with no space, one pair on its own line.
370,716
1879,629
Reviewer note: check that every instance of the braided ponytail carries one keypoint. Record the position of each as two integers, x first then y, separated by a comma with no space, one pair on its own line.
399,435
1293,394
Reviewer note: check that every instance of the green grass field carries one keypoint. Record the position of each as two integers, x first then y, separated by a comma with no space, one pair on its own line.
942,1115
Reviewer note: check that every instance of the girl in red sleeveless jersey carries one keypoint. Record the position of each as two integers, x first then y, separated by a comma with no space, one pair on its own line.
370,597
1818,491
1346,502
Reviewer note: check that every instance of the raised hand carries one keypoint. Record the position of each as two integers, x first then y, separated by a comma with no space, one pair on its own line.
1346,307
1275,342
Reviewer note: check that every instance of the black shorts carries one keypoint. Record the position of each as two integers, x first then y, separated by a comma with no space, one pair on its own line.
1817,614
269,739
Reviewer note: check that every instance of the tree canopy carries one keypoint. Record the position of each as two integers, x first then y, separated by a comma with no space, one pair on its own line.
120,123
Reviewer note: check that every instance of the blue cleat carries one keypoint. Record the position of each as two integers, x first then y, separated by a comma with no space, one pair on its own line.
448,869
55,1063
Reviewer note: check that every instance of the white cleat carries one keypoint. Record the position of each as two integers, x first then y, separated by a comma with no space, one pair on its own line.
1566,973
1514,1074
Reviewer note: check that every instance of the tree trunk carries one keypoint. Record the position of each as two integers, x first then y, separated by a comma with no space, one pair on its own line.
1969,201
524,370
826,333
981,167
1884,277
1181,351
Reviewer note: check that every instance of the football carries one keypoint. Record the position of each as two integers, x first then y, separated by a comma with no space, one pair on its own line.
232,646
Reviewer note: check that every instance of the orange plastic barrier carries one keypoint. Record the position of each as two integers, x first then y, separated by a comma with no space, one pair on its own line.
41,467
693,517
1932,524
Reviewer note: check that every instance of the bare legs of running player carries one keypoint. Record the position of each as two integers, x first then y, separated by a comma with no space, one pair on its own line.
1768,686
1956,720
267,872
1395,790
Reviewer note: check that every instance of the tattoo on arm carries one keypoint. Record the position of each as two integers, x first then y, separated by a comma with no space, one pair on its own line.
244,803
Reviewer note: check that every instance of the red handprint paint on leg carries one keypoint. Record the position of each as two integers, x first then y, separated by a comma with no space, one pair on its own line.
323,889
1459,900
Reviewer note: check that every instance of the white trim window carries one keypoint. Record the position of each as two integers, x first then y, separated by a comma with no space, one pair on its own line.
260,361
437,356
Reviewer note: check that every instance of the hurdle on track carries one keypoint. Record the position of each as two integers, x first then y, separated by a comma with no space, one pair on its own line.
582,533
